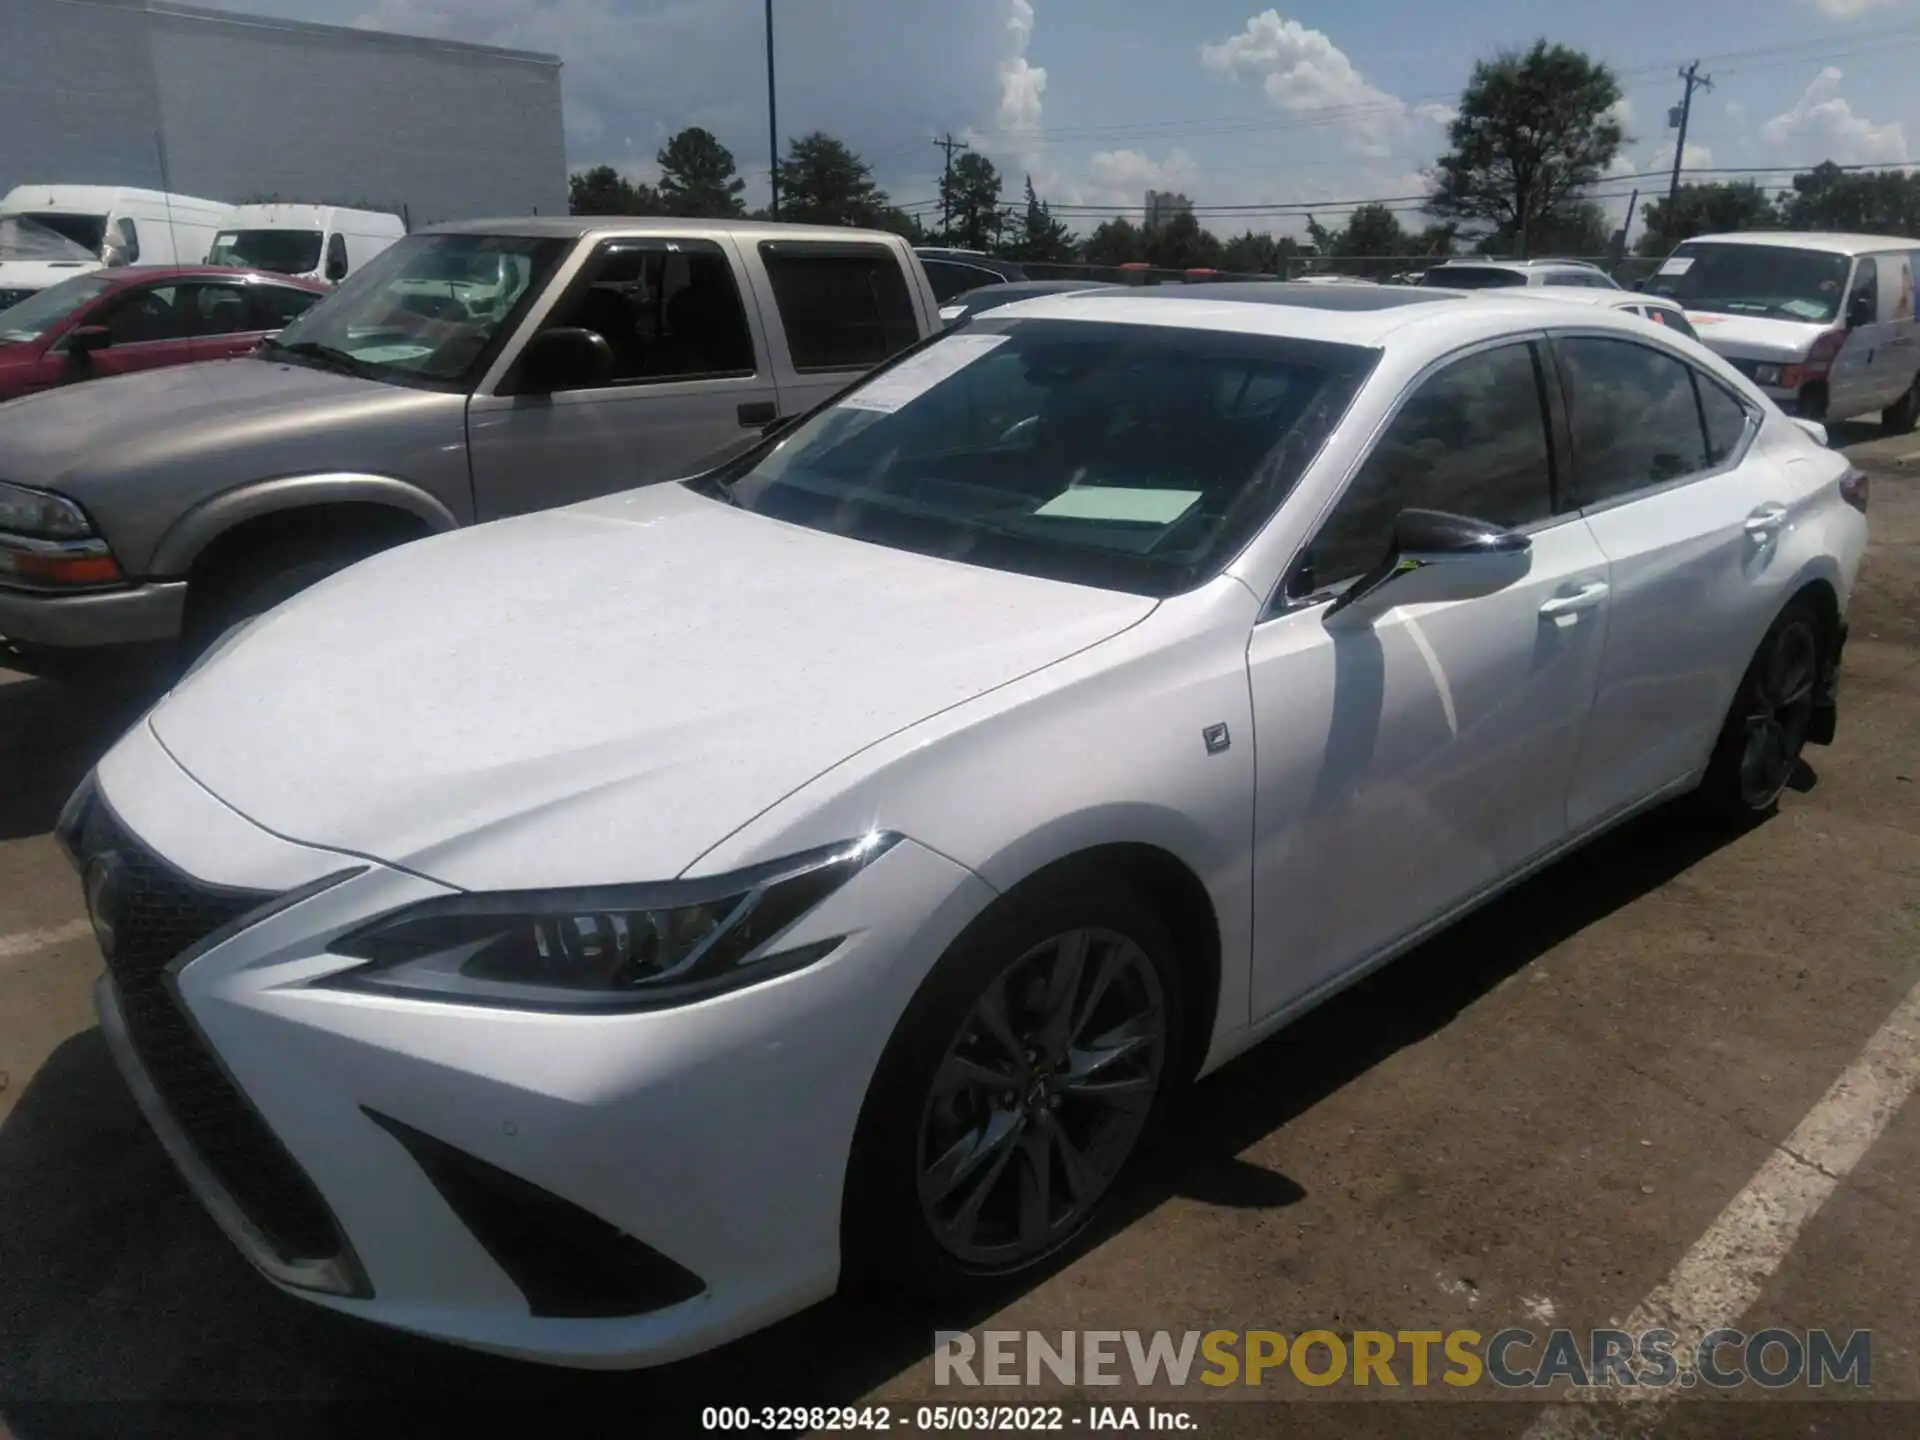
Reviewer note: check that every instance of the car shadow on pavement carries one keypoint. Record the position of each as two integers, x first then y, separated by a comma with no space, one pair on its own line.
52,733
125,1311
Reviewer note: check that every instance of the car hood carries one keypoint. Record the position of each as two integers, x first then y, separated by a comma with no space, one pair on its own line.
600,694
1755,337
39,274
79,438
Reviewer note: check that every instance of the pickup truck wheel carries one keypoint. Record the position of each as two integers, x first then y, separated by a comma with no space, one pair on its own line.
253,585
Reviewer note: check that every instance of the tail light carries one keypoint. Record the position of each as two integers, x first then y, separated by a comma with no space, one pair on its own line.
1853,489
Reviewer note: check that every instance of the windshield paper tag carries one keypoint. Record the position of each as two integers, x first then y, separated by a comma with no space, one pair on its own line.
1116,502
1678,265
912,378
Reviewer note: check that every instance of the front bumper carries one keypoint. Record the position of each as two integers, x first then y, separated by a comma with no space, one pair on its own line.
714,1137
141,615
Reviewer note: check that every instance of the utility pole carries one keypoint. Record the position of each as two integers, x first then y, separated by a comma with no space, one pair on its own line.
949,144
773,128
1678,115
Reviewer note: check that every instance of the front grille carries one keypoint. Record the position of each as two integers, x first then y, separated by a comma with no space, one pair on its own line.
155,915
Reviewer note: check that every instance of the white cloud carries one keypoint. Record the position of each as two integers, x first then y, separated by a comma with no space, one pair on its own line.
1850,9
1621,112
1123,177
1698,157
1822,126
1736,112
1304,73
1021,84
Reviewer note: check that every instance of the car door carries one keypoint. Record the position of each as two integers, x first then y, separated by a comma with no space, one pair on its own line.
1852,381
149,326
841,308
1415,748
222,317
1897,359
277,306
690,376
1688,516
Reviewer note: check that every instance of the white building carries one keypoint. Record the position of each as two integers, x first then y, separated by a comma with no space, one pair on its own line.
245,108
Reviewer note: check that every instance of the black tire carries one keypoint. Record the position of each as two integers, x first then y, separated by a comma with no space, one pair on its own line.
888,1235
1899,418
1772,710
279,570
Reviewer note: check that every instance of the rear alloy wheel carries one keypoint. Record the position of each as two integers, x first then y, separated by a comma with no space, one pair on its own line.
1900,417
1034,1063
1766,730
1041,1098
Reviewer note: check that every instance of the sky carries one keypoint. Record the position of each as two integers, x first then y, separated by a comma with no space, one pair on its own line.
1276,113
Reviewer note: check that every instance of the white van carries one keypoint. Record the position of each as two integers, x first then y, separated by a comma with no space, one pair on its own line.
315,242
1824,323
101,225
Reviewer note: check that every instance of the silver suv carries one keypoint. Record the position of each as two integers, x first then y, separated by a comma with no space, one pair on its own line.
1498,274
468,372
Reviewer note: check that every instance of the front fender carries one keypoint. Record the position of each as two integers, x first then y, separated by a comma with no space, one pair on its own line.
214,516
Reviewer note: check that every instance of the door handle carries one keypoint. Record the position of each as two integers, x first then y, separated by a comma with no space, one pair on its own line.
757,412
1765,522
1585,598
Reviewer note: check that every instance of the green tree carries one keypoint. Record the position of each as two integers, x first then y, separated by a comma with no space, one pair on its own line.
1532,132
1883,202
603,190
898,221
1372,243
1040,238
1115,242
970,199
1704,210
1180,244
823,182
698,177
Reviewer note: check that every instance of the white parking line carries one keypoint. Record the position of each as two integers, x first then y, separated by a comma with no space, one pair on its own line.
28,942
1718,1280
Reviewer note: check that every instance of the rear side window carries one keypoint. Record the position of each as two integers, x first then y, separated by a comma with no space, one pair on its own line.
844,307
277,305
1672,319
949,279
1725,418
1636,416
1475,277
1471,440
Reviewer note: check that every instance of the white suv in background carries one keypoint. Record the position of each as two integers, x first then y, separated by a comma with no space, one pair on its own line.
1515,274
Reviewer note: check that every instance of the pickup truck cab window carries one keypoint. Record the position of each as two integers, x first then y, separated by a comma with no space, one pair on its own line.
844,307
668,309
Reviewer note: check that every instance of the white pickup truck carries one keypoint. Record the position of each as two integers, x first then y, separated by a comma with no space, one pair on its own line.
467,372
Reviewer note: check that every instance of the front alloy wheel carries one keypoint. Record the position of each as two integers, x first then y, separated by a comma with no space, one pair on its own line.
1779,711
1040,1098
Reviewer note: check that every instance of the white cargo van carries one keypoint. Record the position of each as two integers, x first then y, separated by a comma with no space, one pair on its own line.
315,242
104,224
1824,323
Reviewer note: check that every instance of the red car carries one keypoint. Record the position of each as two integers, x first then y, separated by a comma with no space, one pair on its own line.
139,317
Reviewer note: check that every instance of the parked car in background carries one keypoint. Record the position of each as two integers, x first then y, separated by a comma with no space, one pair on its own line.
991,297
112,322
314,242
831,868
953,272
1628,302
1513,274
107,226
1824,323
465,373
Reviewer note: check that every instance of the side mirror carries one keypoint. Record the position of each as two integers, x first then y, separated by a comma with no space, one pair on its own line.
1860,310
83,340
1422,538
566,358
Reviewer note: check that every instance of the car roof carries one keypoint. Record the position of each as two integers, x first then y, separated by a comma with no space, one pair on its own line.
1590,295
1428,318
572,227
1018,288
1837,241
136,274
1474,262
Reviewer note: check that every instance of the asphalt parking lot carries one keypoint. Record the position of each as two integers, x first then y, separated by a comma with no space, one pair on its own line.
1562,1113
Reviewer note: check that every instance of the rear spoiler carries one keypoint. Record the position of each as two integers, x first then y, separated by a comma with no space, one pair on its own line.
1813,428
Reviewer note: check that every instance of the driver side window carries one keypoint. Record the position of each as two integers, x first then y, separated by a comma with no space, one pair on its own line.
150,313
668,309
1470,440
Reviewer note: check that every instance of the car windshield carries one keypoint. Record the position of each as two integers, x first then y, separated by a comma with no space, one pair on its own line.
25,237
1131,457
1772,280
1473,277
287,252
430,310
33,317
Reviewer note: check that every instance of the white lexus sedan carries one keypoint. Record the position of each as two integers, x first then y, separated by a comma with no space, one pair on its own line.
592,936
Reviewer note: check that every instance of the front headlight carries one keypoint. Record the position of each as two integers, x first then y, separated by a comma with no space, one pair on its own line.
610,948
1766,374
44,516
